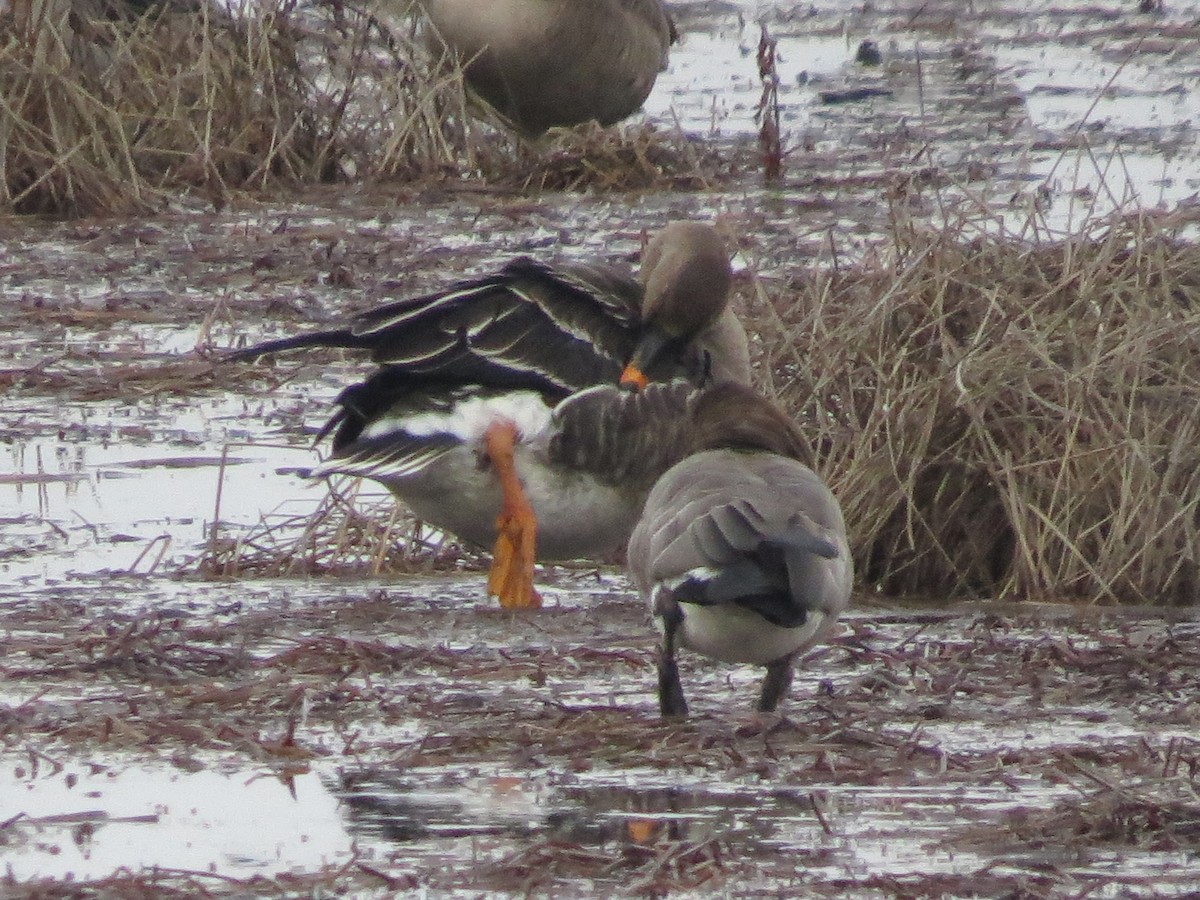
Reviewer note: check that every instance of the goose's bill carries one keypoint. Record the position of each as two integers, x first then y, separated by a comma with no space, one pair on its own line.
651,348
634,378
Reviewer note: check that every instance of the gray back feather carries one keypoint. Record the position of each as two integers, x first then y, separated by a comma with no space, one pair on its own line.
623,438
719,509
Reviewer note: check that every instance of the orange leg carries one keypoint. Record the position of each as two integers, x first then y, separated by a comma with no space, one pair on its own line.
511,577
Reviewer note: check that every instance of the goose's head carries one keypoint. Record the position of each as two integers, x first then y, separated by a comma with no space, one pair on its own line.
687,278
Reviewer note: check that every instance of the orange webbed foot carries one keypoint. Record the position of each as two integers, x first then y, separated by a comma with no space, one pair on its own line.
511,577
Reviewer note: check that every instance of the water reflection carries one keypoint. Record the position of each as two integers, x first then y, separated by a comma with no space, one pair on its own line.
416,807
86,821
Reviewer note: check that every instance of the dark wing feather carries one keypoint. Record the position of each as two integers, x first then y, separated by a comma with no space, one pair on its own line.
732,584
387,402
389,457
775,572
620,437
551,328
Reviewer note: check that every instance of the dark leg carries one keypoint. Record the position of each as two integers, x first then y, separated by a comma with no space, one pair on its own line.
670,692
776,684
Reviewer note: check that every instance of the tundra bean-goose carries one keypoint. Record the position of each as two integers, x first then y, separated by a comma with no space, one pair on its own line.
462,418
547,63
741,549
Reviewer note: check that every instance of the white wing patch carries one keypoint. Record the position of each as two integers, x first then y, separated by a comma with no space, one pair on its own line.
701,574
383,468
470,417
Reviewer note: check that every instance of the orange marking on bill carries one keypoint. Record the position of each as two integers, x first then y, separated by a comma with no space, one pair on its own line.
634,377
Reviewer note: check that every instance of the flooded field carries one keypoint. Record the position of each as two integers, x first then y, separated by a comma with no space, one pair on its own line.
410,735
161,734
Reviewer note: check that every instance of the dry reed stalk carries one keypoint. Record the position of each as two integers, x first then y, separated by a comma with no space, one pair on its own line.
103,110
347,534
1005,418
766,114
106,113
591,158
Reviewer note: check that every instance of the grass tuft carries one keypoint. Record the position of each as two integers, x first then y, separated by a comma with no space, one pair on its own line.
107,110
347,534
1003,418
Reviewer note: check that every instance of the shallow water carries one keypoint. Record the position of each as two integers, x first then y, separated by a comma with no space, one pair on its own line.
106,486
87,821
459,739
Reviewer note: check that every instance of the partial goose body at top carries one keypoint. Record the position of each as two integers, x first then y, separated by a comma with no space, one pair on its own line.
479,417
547,63
741,550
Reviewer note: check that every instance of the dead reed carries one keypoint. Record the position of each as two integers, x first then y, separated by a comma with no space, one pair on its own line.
114,107
629,158
1000,419
1003,418
348,533
104,112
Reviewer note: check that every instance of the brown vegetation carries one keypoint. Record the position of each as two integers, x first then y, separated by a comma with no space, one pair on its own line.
345,535
105,111
108,108
1001,418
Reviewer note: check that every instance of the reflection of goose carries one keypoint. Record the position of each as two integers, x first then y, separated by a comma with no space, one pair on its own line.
383,805
480,408
542,63
741,549
401,810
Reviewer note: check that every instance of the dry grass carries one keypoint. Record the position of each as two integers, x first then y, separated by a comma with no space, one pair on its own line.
109,112
1002,418
347,534
631,158
106,112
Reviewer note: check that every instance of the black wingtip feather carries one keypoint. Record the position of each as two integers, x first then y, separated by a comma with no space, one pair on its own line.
339,338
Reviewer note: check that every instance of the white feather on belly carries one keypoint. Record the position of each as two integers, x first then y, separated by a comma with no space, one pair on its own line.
451,488
734,634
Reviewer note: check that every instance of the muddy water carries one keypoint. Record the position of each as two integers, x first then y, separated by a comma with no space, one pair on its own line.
380,737
261,728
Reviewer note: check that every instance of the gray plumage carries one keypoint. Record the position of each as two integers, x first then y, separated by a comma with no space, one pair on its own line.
742,556
547,63
586,466
528,345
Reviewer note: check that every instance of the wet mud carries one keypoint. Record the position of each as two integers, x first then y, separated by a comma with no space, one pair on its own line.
409,733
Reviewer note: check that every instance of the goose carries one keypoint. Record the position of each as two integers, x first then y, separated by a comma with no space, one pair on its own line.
547,63
741,550
471,417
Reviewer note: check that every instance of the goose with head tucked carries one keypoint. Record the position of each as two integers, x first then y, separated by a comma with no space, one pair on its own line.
547,63
741,549
484,415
